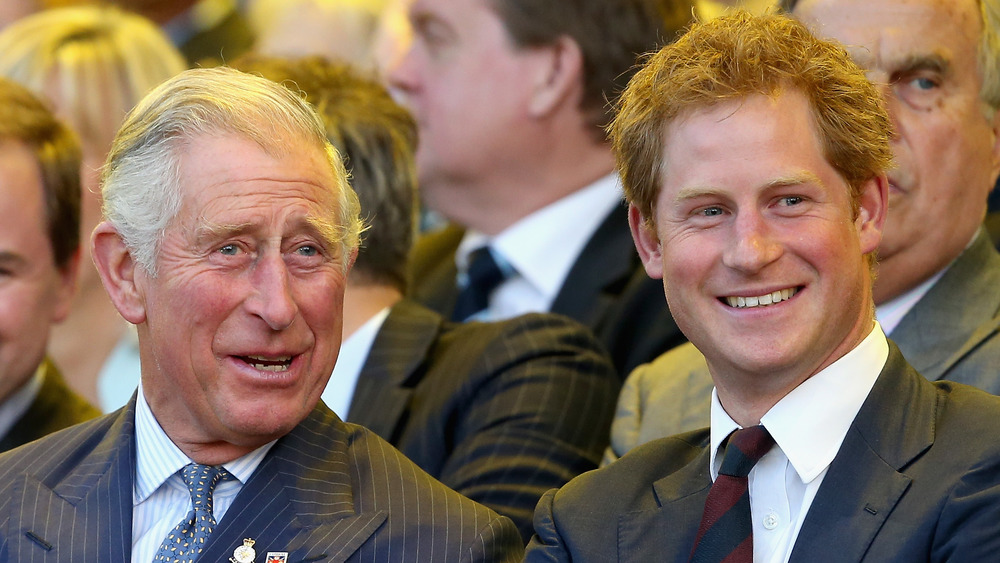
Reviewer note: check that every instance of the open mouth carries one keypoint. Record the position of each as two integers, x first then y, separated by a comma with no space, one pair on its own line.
262,363
746,302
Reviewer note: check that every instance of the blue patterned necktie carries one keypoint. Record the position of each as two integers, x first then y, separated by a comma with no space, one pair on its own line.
184,543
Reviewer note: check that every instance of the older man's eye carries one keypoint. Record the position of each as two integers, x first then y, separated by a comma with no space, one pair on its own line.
711,211
229,250
923,83
791,200
307,250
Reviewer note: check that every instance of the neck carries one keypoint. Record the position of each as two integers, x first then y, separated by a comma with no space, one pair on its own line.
362,301
492,203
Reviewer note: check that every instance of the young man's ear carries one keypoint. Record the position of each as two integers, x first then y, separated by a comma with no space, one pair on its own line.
118,273
558,76
647,242
873,205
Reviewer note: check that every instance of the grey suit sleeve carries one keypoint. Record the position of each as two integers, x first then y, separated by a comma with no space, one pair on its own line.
546,545
628,417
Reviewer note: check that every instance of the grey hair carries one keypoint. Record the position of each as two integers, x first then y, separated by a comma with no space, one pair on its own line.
140,181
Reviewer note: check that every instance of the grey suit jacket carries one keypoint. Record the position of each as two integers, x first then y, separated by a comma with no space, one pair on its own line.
327,491
606,289
916,479
500,412
952,333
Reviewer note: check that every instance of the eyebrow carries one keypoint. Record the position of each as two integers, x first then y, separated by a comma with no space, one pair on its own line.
934,62
11,259
321,228
694,192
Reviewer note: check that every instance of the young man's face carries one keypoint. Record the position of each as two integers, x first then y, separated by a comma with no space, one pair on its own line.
755,238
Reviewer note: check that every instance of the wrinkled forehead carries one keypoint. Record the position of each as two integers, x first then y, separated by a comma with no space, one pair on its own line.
882,34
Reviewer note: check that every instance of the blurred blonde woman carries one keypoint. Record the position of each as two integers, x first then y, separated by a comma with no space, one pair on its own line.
92,64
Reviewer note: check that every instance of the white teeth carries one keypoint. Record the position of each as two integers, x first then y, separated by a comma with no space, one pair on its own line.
761,300
262,363
271,367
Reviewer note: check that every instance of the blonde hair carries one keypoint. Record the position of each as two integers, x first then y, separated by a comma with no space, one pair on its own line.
95,63
735,56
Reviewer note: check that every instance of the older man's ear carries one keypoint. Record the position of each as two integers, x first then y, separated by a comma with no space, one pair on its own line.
118,273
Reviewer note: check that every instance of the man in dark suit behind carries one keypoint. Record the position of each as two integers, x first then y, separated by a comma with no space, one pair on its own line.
754,157
501,411
39,256
510,99
229,232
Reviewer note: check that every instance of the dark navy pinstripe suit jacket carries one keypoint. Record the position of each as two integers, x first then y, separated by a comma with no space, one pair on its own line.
328,491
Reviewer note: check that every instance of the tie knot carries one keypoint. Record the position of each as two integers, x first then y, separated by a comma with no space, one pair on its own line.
746,447
201,481
484,271
481,278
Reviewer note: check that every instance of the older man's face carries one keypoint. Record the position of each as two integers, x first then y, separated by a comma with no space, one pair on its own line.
243,321
924,53
757,243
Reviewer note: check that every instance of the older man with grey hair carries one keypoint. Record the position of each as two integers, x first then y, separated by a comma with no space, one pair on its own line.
230,230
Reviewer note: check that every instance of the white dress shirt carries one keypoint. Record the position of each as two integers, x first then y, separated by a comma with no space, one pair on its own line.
160,499
542,248
353,352
808,426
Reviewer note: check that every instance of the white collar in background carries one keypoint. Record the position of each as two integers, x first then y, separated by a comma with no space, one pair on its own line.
543,246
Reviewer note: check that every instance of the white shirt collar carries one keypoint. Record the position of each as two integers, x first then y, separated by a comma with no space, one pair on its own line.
158,458
353,353
543,246
809,423
12,409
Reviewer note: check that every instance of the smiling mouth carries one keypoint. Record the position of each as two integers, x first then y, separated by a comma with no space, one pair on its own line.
741,302
262,363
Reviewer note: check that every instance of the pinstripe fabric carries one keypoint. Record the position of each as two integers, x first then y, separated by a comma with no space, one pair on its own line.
327,491
500,412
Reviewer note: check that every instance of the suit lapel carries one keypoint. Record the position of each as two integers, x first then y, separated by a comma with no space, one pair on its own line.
866,479
667,532
297,504
96,497
386,382
433,275
600,273
940,330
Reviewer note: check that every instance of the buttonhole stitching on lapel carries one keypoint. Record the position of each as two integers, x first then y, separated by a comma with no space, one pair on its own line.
870,510
38,540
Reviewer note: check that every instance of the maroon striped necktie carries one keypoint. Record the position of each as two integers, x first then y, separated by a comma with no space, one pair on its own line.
726,532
